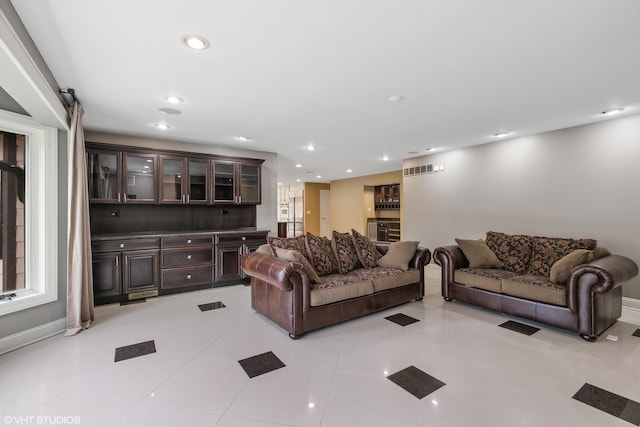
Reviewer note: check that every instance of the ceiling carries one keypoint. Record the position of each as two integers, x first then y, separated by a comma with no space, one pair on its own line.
289,73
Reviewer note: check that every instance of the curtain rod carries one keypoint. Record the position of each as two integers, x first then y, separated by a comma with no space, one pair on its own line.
71,93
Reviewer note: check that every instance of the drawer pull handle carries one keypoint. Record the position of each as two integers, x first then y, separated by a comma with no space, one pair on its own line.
189,241
188,256
121,245
188,276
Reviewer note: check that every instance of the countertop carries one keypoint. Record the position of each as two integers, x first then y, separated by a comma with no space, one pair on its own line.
143,234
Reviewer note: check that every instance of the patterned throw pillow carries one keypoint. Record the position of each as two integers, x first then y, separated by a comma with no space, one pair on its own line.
545,251
345,252
321,255
291,243
366,251
514,251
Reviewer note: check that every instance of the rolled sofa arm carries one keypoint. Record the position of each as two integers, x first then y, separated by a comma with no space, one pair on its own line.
421,258
598,277
270,269
449,258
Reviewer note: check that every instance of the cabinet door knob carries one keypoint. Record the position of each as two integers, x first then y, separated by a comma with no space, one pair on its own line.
188,256
121,245
189,241
188,276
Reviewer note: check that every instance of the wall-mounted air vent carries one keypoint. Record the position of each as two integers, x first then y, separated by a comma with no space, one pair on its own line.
422,169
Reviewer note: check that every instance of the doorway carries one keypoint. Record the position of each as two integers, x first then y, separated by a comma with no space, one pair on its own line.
325,213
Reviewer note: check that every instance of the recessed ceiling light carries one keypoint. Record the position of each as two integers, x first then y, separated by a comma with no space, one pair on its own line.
349,170
162,126
172,99
318,176
431,149
279,183
243,138
395,98
613,111
310,147
195,42
501,134
298,180
298,165
385,158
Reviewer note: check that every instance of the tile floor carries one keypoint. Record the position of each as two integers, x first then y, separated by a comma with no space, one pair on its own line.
336,376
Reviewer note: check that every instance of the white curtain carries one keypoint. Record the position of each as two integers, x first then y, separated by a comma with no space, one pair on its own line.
79,275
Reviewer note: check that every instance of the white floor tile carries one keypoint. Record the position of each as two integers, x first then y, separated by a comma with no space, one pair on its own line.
493,376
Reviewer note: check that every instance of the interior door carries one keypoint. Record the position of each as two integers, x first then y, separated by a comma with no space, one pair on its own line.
325,212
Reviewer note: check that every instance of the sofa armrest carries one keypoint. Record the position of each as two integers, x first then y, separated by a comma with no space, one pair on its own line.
598,277
449,258
421,258
270,269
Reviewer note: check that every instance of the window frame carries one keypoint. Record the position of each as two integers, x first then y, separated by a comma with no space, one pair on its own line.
40,211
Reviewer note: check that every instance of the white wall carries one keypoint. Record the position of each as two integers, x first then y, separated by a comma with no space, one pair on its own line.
577,182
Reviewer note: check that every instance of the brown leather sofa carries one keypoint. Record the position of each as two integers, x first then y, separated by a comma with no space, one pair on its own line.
593,293
281,292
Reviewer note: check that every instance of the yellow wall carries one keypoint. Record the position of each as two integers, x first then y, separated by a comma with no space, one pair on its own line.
312,206
351,204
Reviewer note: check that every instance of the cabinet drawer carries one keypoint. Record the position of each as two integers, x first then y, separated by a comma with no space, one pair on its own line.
124,245
242,237
175,242
185,277
186,257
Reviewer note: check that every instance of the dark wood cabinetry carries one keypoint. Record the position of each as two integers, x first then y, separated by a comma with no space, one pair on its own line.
184,180
236,182
230,248
131,268
118,174
187,261
123,268
387,197
121,177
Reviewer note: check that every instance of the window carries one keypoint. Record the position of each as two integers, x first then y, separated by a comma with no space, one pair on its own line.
11,213
40,229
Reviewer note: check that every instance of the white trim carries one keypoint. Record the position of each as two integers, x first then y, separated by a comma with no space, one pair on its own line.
23,79
630,310
41,212
24,338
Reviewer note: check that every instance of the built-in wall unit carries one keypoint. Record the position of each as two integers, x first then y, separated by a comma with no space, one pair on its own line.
173,217
575,182
356,204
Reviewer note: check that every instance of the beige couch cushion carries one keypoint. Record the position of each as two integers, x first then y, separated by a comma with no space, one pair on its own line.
535,288
478,254
337,287
482,278
394,279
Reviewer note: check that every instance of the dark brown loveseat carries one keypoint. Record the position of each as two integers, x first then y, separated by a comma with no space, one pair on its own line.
587,302
282,290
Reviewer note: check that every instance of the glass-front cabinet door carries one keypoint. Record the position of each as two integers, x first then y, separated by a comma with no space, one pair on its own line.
139,180
171,179
103,174
249,184
224,180
198,178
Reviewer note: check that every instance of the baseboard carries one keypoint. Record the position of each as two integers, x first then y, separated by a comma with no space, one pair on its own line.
630,310
21,339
